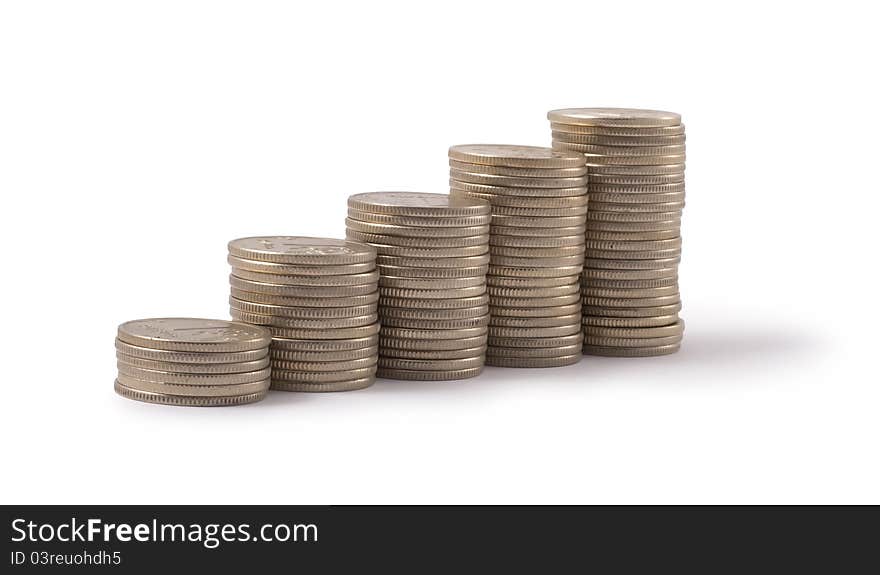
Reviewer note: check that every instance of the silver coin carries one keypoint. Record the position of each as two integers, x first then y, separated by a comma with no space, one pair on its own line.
595,226
434,303
487,186
420,242
631,236
629,293
296,376
531,322
629,151
436,273
444,293
514,156
435,252
632,217
629,303
673,168
330,345
527,221
507,231
632,352
433,314
299,270
594,284
416,231
617,131
555,253
313,313
430,364
206,368
431,334
532,292
518,172
434,261
590,322
368,278
343,333
194,357
323,387
498,210
536,312
530,201
533,362
415,375
632,246
574,261
660,310
517,282
417,204
431,283
418,221
313,302
632,255
406,343
671,330
536,241
525,271
535,342
534,332
318,366
193,335
191,379
305,324
525,352
664,188
615,117
626,141
325,356
435,324
663,207
301,250
637,198
636,180
620,264
515,182
434,354
294,291
529,302
187,400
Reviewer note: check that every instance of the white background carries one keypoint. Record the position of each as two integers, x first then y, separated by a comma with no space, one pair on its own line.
137,138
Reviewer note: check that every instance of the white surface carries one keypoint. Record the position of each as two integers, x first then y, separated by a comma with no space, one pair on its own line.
136,139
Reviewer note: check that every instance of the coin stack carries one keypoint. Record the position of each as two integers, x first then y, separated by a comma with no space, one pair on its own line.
630,281
539,204
433,257
192,362
318,299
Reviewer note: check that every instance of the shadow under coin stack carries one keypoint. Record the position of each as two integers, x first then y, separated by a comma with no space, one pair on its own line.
636,162
539,205
432,259
192,362
318,299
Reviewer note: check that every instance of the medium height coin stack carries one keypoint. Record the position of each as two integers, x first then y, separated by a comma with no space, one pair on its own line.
636,162
192,362
432,259
539,205
317,297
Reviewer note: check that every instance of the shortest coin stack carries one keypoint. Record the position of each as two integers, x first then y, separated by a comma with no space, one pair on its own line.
318,298
192,362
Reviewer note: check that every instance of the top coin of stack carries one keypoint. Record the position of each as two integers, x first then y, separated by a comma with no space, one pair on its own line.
432,263
636,160
539,204
192,362
318,298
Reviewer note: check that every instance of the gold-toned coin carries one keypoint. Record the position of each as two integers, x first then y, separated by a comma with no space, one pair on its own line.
514,156
324,387
417,204
301,250
186,401
533,362
316,301
413,375
206,368
298,323
514,182
416,231
518,172
614,117
194,379
631,352
617,131
299,270
318,366
309,313
419,221
367,278
168,356
193,335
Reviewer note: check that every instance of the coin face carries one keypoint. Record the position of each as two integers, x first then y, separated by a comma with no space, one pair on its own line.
611,117
515,156
418,204
301,250
193,334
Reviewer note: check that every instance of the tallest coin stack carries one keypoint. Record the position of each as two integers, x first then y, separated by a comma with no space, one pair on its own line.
635,160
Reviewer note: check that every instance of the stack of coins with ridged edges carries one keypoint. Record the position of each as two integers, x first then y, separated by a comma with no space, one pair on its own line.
318,298
192,362
433,257
636,161
539,205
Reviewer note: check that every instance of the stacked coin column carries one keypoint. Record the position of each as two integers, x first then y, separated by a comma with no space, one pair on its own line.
539,204
317,297
192,362
432,262
636,160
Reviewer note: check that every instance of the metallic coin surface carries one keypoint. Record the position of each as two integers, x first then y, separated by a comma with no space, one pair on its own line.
193,335
311,313
598,139
632,236
295,291
406,343
534,232
592,321
537,222
316,366
433,261
637,198
434,303
419,221
534,332
529,302
324,356
528,322
416,231
429,252
530,201
437,273
345,333
417,375
431,283
531,271
617,131
431,334
655,311
438,324
168,356
614,117
518,172
226,390
635,302
417,204
515,182
437,293
324,387
533,362
499,210
536,352
367,278
631,352
301,250
421,242
591,285
430,364
519,282
629,208
434,354
235,367
671,330
655,169
305,324
535,312
629,293
299,270
514,156
535,342
186,401
536,241
632,265
325,344
539,261
595,341
353,301
489,192
636,180
295,376
433,314
194,379
535,292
